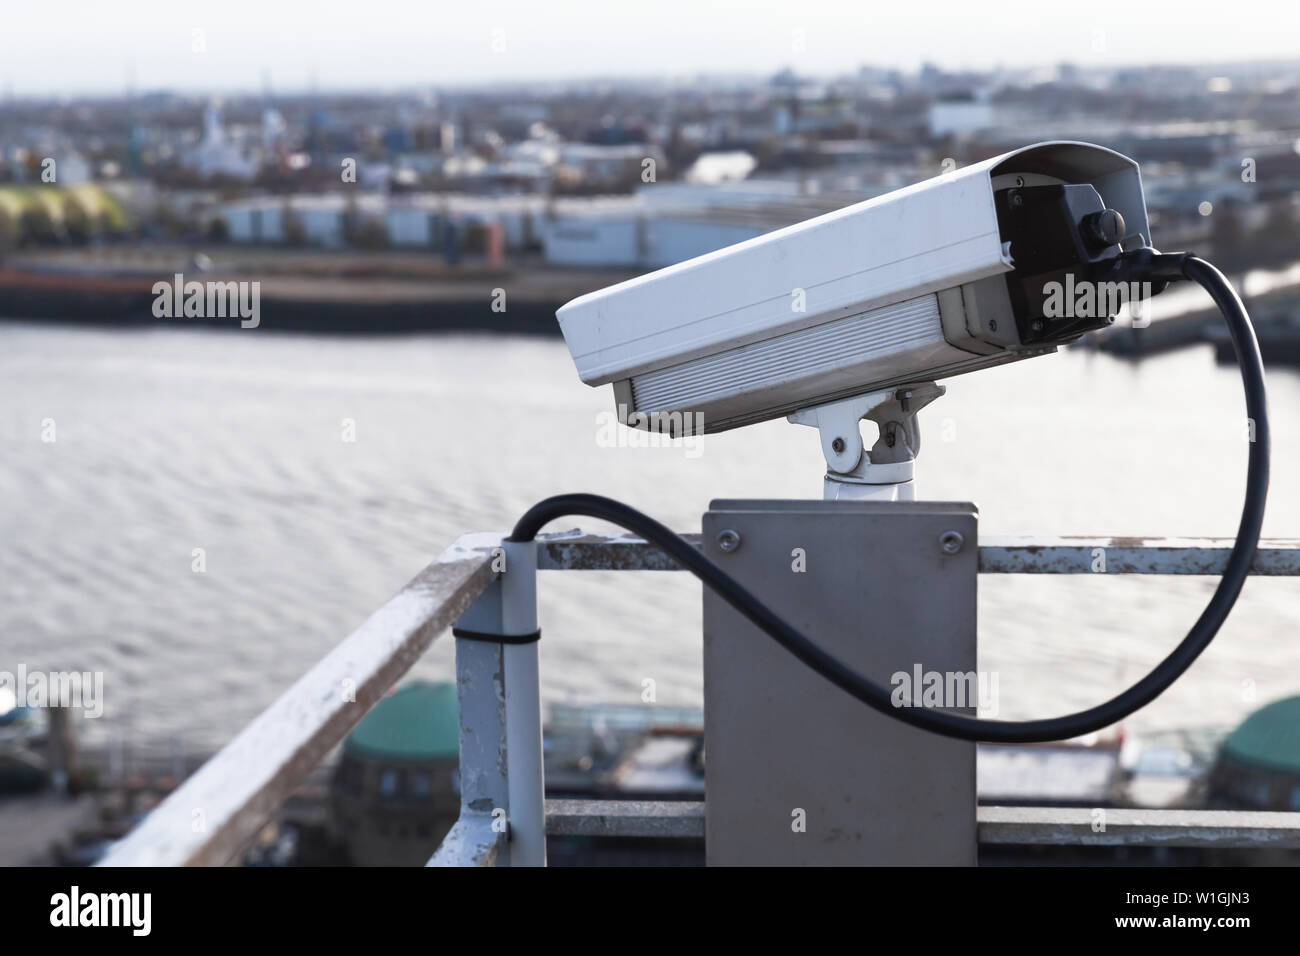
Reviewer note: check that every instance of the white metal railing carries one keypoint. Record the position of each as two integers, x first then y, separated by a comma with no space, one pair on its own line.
219,809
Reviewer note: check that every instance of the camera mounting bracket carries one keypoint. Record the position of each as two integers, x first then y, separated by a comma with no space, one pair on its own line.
886,470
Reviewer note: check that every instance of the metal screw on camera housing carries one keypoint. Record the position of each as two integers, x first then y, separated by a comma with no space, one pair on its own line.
951,541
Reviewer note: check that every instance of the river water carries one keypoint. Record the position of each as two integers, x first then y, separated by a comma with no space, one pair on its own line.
235,442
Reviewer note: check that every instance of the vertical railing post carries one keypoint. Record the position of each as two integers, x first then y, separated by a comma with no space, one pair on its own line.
500,720
525,776
479,836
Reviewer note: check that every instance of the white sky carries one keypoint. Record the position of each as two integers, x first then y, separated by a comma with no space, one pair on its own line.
95,45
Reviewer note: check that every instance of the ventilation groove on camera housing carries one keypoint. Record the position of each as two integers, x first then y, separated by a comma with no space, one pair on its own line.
842,344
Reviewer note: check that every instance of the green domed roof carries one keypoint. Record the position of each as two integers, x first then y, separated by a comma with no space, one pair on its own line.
1269,738
416,722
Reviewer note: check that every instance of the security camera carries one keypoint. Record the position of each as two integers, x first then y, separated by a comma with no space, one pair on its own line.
850,316
968,270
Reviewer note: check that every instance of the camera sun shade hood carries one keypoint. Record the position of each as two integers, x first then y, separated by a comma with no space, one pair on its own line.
890,291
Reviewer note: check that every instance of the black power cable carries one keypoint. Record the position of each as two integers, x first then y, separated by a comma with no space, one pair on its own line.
1143,264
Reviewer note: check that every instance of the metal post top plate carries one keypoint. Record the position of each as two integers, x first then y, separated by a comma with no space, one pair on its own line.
814,506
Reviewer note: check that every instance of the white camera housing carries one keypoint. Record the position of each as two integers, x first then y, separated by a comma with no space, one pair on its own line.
909,286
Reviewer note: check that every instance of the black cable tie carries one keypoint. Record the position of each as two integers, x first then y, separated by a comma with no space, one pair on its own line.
467,635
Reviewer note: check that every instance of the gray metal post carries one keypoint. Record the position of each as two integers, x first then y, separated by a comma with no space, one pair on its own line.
523,708
797,771
500,724
479,837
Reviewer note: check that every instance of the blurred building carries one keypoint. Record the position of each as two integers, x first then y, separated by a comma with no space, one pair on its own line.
421,220
1259,762
669,223
960,114
396,790
217,155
